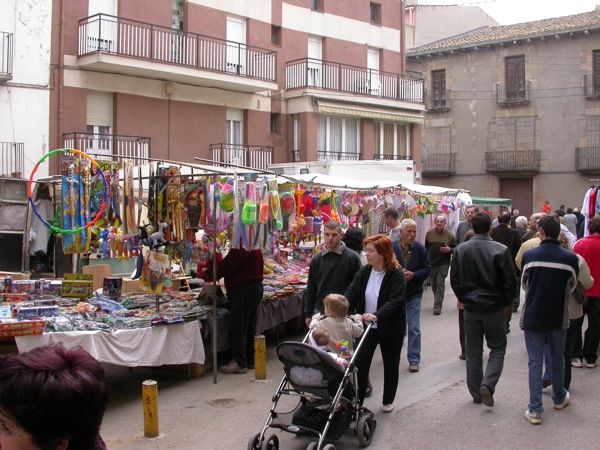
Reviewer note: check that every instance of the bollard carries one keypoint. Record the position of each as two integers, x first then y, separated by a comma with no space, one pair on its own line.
260,357
150,402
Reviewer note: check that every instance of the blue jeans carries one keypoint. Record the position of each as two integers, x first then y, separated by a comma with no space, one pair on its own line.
413,328
534,342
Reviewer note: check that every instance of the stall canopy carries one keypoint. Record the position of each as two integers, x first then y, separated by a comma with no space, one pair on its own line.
333,182
492,201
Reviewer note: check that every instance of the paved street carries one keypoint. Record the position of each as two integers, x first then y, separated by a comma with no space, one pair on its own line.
433,408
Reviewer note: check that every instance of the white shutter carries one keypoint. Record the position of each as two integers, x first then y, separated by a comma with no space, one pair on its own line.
99,108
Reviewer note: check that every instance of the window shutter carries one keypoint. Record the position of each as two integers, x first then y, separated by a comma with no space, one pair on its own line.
99,108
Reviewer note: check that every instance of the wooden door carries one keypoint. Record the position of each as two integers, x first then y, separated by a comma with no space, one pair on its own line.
515,78
520,191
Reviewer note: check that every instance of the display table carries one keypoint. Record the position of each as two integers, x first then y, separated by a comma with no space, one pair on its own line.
274,312
179,343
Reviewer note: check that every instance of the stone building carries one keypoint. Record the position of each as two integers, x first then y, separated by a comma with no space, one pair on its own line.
514,111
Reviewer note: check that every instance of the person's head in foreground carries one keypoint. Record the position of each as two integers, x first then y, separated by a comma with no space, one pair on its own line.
52,398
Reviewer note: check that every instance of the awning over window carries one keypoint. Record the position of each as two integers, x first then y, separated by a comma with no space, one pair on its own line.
370,112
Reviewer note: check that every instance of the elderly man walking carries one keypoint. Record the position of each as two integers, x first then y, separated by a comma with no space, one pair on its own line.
439,243
549,276
483,279
414,260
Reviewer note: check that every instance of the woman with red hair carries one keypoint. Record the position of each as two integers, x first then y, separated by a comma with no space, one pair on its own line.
378,292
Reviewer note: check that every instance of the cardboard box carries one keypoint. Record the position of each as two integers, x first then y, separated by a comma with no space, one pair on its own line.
78,285
22,328
111,287
15,275
193,370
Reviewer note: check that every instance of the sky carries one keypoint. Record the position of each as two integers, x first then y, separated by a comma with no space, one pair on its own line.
507,12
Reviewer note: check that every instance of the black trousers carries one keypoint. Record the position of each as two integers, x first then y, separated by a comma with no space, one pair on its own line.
589,349
243,303
390,353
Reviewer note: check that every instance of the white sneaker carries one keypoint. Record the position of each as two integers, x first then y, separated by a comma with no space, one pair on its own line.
576,362
592,365
387,408
533,417
564,403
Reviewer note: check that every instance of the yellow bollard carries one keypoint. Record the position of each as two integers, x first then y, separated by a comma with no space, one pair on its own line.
260,357
150,401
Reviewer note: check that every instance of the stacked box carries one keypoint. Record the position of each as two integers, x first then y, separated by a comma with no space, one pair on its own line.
22,328
34,312
78,285
15,298
20,286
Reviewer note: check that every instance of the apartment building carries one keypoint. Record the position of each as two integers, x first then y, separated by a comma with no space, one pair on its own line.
514,111
254,83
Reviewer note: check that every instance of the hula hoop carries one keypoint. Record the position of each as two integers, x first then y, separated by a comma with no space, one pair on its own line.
30,194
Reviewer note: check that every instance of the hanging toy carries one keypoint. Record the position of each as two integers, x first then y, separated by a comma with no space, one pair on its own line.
275,205
226,194
342,346
288,205
249,208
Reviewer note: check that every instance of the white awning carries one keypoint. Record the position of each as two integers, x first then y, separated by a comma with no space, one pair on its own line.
370,112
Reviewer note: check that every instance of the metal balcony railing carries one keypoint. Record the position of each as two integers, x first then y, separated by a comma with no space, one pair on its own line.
513,93
437,103
513,161
591,86
388,157
134,39
254,156
109,147
337,156
439,164
587,159
12,159
316,73
6,56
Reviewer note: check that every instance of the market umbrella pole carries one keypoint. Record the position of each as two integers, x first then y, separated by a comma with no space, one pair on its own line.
214,297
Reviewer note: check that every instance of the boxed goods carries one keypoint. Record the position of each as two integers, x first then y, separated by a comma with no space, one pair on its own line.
77,285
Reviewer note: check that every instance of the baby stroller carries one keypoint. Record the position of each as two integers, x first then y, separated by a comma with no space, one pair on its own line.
328,399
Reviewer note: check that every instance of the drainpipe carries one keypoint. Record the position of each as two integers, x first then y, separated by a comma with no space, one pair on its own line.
61,78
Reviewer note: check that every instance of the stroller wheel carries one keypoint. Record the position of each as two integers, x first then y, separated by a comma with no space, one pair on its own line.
270,443
254,443
329,447
312,446
365,430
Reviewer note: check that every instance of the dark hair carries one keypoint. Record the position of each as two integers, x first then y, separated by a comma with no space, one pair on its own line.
383,245
353,239
55,395
569,210
551,225
481,223
390,211
504,217
333,224
468,235
594,225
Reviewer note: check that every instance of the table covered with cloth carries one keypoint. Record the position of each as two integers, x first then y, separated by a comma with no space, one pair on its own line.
179,343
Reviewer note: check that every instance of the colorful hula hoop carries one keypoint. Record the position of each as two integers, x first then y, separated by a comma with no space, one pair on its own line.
30,195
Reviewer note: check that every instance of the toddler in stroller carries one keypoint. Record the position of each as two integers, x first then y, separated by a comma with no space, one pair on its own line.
328,391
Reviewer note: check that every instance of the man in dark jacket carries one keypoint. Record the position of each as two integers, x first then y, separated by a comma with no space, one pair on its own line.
483,279
549,276
413,258
510,237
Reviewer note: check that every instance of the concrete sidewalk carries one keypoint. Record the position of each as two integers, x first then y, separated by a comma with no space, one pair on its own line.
433,408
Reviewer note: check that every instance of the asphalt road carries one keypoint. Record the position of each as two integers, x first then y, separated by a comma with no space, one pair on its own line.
433,409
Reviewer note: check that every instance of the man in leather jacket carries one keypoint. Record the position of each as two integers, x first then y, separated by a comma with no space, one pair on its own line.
483,278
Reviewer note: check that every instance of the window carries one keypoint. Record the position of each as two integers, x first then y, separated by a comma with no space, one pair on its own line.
315,5
515,133
275,119
375,14
438,89
234,126
437,140
596,72
99,123
593,131
337,138
297,140
515,78
275,35
391,141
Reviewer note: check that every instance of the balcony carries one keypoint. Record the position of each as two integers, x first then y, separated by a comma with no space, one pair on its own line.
6,56
110,147
254,156
136,48
338,156
439,165
12,157
387,157
509,94
440,102
591,86
318,74
525,161
587,160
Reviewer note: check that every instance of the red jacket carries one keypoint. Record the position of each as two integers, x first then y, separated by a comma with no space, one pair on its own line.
589,249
